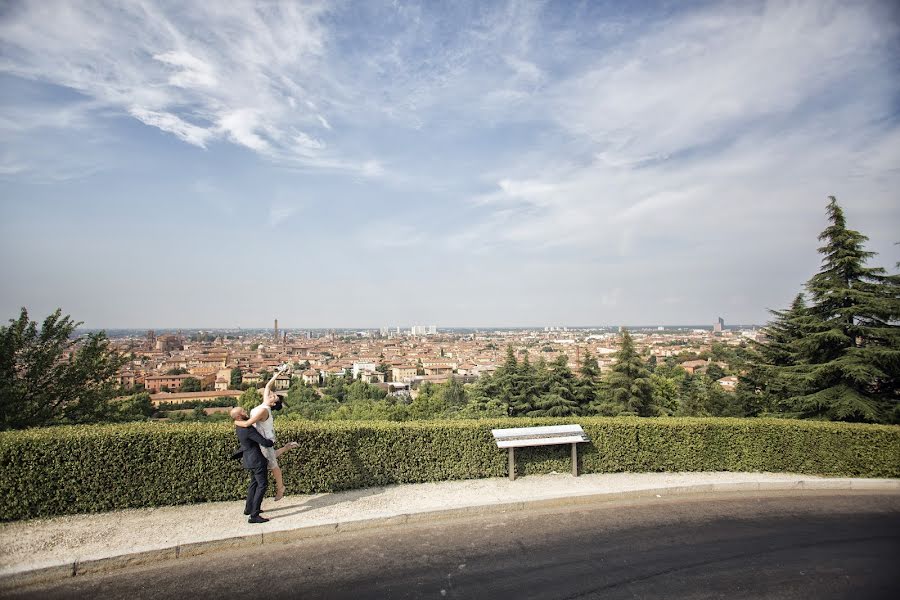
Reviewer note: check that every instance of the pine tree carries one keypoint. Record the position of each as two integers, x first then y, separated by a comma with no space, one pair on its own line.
850,354
587,386
561,381
524,388
763,387
629,382
694,398
553,405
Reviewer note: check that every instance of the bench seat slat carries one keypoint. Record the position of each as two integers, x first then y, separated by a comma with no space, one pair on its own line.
522,431
547,441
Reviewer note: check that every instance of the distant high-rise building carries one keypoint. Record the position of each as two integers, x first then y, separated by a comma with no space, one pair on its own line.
719,325
275,337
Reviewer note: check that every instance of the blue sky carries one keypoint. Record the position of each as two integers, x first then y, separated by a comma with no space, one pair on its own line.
463,164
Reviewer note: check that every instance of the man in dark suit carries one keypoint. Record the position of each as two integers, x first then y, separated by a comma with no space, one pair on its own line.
254,461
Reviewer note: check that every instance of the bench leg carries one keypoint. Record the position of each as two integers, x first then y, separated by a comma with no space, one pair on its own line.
575,460
512,464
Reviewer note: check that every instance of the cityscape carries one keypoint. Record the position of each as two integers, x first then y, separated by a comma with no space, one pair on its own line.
397,359
480,299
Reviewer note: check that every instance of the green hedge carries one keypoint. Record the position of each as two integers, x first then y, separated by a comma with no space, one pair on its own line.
64,470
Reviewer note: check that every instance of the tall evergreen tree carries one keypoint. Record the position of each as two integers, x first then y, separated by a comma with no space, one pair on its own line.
629,382
763,387
553,405
587,386
524,388
851,351
561,380
694,398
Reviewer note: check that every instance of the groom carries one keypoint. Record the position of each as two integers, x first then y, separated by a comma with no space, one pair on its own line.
254,461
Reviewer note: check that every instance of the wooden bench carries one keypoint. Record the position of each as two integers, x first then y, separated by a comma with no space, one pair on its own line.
522,437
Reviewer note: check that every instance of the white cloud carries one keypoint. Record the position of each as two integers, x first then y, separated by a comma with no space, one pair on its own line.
193,71
724,116
191,134
202,72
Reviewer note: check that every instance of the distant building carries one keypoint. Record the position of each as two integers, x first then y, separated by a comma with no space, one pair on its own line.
692,366
719,325
154,383
169,343
728,383
164,398
403,373
359,367
251,378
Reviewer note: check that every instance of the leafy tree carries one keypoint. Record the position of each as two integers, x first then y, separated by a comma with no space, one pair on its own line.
360,390
715,372
190,384
136,407
336,387
629,382
453,393
177,371
304,402
428,404
694,398
721,403
665,393
236,379
250,399
41,385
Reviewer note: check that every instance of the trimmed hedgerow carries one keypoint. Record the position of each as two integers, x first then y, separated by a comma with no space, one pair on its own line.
64,470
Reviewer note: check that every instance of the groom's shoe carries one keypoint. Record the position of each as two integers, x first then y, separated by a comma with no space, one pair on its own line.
257,519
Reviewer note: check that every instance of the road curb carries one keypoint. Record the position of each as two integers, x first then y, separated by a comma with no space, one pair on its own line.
113,563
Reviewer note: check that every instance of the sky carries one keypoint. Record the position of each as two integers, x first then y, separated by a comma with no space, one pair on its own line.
367,164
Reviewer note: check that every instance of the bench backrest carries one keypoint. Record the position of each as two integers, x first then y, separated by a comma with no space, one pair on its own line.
518,437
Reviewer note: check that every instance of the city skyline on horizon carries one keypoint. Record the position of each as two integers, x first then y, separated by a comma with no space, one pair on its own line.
405,329
474,163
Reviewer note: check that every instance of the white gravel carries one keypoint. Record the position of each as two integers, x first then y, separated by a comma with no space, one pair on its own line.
47,542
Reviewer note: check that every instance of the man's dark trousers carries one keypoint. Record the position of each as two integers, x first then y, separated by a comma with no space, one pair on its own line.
254,461
259,480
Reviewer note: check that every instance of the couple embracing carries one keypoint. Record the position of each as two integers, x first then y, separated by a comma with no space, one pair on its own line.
256,434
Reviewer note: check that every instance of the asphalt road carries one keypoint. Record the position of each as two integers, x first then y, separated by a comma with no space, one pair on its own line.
775,545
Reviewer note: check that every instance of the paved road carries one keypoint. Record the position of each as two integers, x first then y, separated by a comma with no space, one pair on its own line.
775,545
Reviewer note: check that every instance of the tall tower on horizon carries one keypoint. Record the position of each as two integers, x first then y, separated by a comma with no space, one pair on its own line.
276,331
719,325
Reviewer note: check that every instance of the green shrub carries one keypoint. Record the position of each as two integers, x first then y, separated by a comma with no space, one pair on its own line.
72,469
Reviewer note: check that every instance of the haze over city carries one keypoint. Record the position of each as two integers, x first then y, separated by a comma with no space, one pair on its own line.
366,164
